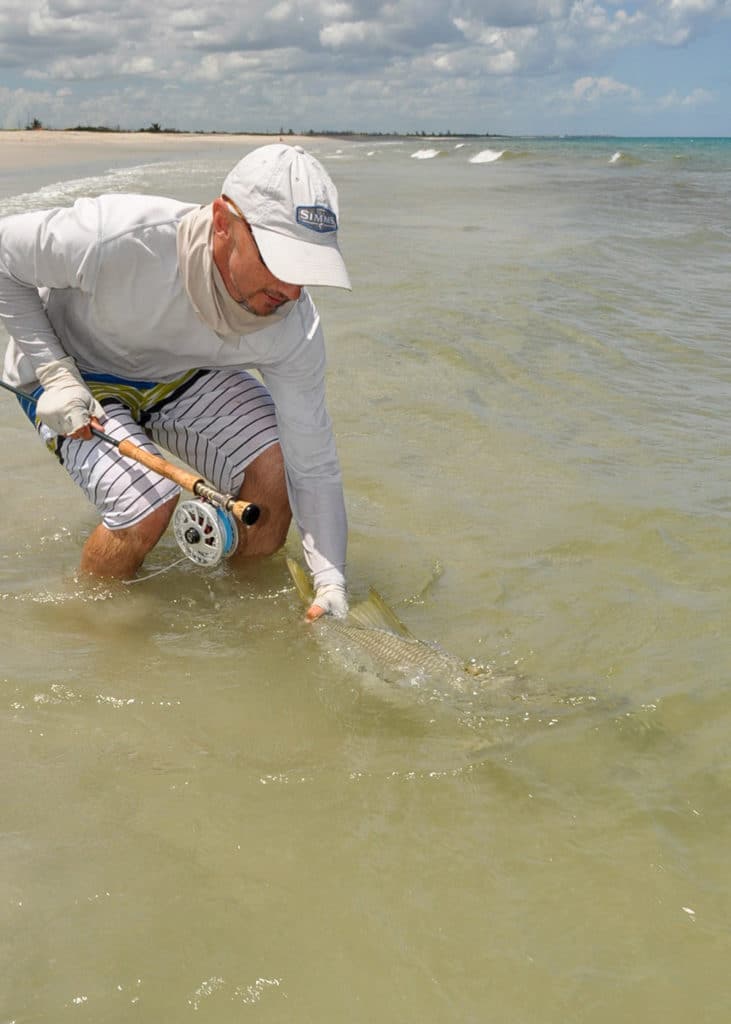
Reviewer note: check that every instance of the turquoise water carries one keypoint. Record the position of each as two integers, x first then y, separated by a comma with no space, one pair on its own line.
210,815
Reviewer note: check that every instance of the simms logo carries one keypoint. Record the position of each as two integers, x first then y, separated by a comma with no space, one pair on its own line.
317,218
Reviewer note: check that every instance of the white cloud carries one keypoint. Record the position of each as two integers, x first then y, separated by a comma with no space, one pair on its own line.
19,106
333,11
676,101
682,7
280,12
590,90
351,33
288,55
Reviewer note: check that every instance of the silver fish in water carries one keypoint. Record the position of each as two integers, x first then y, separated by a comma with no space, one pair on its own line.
373,629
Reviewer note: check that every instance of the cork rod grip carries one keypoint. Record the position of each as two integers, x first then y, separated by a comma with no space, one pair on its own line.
245,511
184,477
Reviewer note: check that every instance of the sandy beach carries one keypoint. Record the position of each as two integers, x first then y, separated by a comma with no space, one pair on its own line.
31,150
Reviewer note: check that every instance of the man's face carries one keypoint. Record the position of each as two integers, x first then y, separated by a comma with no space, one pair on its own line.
247,278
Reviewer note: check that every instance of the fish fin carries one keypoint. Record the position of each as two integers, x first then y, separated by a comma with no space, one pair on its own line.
301,581
374,613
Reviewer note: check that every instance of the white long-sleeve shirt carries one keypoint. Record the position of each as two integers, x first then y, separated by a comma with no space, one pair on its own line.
99,281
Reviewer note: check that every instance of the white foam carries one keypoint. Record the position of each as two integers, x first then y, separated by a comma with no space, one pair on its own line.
617,157
486,156
63,193
425,154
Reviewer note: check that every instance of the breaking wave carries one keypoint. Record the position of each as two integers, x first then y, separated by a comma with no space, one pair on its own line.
426,154
487,156
622,159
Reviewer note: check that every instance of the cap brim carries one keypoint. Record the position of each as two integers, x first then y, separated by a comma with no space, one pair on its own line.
302,263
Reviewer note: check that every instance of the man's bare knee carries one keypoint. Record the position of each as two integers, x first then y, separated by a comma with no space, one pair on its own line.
118,554
265,485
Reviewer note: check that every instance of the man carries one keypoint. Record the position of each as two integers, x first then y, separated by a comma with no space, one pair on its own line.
142,315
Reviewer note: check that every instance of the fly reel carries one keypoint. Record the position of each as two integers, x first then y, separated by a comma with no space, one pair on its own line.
206,534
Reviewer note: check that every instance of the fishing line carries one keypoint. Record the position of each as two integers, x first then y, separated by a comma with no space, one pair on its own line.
157,572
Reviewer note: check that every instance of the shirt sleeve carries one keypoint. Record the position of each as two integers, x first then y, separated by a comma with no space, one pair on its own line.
42,250
314,481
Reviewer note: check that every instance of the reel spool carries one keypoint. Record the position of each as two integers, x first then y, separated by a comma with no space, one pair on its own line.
206,534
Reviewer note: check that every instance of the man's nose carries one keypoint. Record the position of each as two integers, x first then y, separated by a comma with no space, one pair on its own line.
291,291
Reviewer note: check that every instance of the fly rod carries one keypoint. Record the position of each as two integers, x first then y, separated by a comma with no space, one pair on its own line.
245,511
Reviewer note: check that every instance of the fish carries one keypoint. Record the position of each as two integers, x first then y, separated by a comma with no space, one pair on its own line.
372,629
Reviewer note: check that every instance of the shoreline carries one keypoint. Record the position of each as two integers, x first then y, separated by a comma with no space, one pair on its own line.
34,150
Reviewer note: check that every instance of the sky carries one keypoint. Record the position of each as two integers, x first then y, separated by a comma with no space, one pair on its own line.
515,67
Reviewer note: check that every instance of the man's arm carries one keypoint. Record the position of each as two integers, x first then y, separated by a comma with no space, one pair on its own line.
29,261
314,481
48,249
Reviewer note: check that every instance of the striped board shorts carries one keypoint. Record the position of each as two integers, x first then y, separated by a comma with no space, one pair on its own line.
215,421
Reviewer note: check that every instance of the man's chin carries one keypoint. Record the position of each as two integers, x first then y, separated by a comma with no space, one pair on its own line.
254,312
262,312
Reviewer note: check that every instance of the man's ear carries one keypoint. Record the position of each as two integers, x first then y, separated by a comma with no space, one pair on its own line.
221,218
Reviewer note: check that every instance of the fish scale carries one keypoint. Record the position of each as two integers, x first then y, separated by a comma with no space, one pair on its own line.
374,629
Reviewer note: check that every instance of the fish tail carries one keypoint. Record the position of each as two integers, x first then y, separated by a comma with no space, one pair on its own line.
301,581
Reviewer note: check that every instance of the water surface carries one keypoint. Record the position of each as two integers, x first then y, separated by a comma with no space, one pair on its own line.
207,815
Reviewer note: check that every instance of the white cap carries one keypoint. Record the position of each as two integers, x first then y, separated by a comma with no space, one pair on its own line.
291,206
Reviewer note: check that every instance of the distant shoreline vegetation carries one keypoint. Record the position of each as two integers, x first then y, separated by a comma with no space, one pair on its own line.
157,129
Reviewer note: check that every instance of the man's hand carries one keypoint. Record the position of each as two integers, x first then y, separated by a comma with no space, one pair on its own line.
330,599
66,405
84,433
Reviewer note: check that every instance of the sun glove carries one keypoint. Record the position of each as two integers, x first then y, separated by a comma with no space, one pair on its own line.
332,598
66,404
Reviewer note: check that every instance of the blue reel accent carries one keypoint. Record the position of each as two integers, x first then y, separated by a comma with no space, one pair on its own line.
228,529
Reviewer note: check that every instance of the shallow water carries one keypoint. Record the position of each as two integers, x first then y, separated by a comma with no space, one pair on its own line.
209,814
